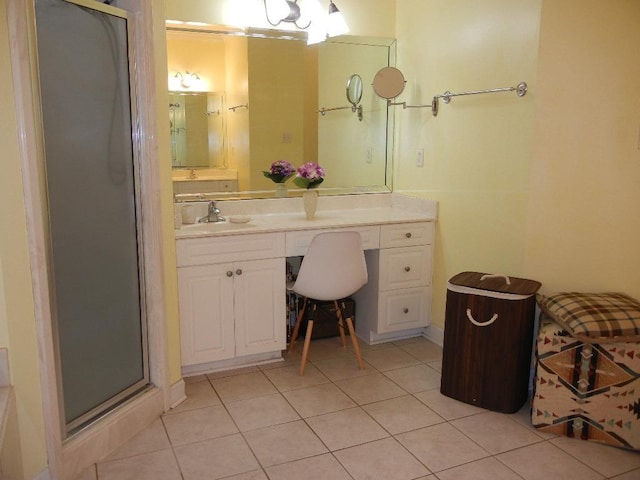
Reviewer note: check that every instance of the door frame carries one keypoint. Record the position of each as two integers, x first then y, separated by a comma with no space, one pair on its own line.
68,458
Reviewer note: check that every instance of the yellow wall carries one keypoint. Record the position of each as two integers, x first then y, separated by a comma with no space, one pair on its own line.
583,225
237,82
543,186
355,149
24,451
202,55
276,97
478,150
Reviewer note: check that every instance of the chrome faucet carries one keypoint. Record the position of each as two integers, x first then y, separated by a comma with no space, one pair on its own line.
213,214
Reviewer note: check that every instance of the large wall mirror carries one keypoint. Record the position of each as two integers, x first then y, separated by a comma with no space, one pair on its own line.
242,99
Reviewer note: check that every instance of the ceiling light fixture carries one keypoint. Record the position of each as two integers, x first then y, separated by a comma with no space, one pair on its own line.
186,80
285,11
336,24
307,14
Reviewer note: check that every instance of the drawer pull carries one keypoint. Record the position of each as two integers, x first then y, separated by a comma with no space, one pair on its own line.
407,269
238,272
405,310
408,234
229,273
481,324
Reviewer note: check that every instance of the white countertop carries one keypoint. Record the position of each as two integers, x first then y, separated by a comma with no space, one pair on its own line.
337,212
207,178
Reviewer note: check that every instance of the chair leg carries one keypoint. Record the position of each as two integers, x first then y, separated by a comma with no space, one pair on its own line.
343,337
307,342
296,328
354,340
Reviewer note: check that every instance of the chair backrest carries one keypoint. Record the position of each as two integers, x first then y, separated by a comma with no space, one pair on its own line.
333,267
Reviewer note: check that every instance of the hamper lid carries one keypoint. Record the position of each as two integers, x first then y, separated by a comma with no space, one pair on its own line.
495,283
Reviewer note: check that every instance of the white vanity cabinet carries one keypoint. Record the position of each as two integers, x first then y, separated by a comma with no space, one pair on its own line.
205,186
396,302
231,293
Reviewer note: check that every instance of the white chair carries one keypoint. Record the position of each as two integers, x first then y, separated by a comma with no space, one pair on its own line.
333,268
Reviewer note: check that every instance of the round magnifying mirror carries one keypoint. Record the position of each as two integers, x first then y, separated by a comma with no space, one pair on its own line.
388,82
354,89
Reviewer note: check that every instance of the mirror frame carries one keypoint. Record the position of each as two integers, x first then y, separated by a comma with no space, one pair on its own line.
388,83
354,90
387,42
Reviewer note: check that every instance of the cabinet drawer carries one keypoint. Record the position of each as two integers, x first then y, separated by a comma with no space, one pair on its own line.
227,186
298,242
404,309
407,234
205,186
405,267
210,250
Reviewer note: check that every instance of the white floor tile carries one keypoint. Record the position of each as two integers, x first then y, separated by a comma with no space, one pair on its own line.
384,459
388,421
261,412
402,414
198,425
284,443
318,400
346,428
495,432
606,460
441,446
322,467
544,461
216,458
159,465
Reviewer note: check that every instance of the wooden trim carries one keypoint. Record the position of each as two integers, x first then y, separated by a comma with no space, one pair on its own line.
21,20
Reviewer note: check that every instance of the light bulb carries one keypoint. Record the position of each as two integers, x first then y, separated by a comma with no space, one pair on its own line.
336,24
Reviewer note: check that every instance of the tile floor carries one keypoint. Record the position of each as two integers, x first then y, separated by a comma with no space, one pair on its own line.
388,421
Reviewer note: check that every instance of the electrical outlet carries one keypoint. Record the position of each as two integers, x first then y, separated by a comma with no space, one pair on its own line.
286,137
420,158
369,158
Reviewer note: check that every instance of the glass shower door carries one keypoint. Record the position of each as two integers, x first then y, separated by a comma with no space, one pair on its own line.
91,181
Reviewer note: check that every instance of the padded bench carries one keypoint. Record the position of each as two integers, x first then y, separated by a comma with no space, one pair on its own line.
587,382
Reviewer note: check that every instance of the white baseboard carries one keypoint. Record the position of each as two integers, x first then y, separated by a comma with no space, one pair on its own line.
435,334
177,394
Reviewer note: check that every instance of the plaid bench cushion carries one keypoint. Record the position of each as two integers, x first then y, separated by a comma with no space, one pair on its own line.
594,317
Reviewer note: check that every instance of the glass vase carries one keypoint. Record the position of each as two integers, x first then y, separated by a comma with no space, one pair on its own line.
310,201
281,190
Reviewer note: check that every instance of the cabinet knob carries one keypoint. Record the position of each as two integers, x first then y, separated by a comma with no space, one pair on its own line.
405,310
407,269
238,272
408,234
229,273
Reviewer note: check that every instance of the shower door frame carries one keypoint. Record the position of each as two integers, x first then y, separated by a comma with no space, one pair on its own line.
68,458
73,426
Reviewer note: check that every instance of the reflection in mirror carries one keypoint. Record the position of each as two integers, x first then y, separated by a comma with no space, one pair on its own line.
197,130
283,81
354,90
388,83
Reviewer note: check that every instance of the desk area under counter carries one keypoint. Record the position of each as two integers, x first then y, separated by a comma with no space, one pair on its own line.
231,276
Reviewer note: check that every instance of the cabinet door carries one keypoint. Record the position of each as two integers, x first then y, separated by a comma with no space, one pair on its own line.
260,306
404,309
205,295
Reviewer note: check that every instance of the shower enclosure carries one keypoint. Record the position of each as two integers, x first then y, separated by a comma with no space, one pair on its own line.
95,253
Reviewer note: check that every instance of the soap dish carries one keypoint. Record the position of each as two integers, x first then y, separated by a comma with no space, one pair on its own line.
239,219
